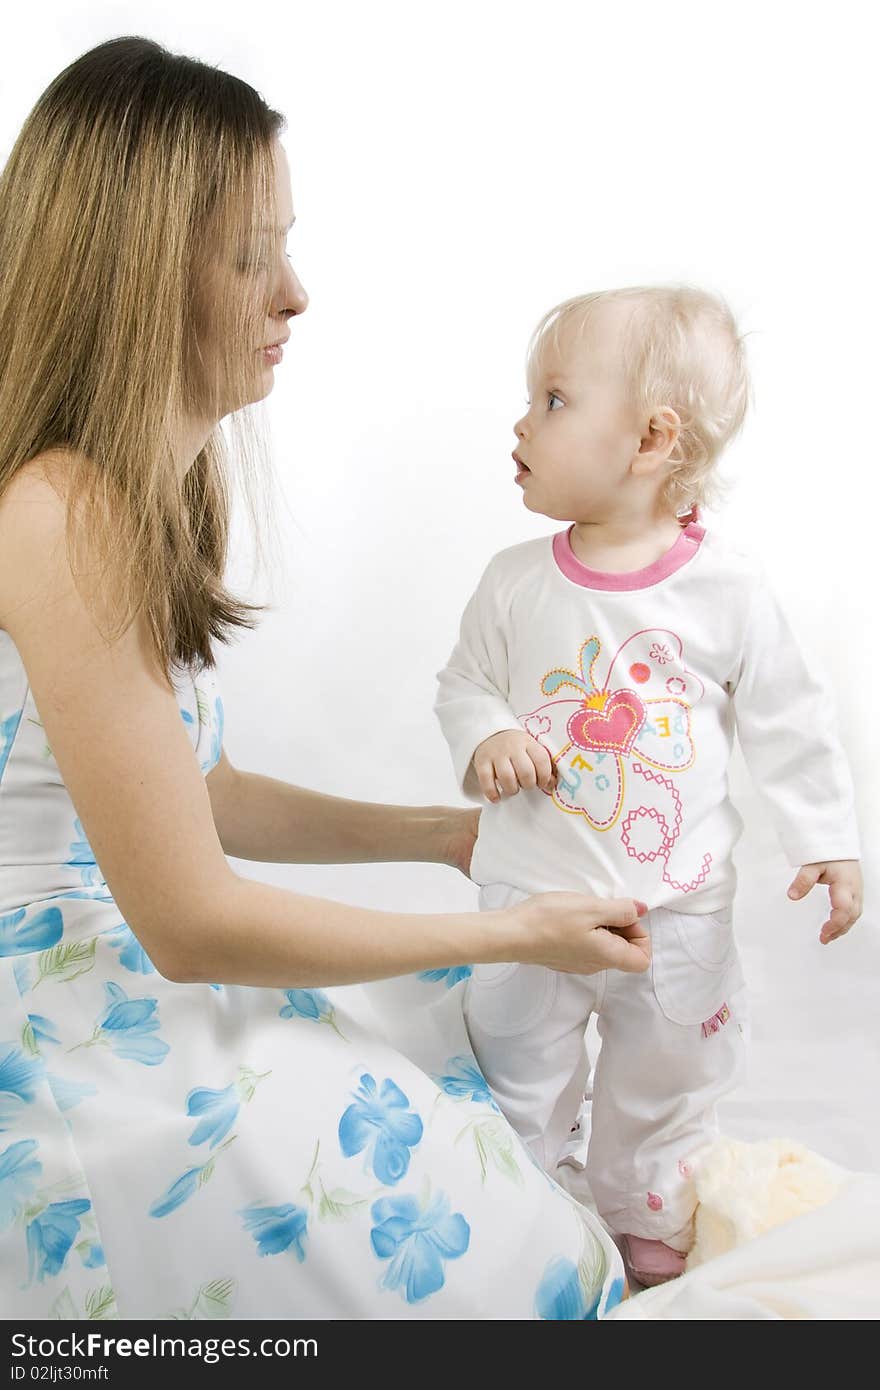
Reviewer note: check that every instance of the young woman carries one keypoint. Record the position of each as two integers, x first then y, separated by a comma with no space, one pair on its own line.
179,1133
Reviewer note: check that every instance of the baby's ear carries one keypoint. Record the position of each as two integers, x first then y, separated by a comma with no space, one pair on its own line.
657,444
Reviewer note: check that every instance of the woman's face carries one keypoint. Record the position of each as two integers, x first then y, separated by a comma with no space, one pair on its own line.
271,293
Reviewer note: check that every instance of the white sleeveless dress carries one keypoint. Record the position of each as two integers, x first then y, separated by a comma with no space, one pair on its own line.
202,1151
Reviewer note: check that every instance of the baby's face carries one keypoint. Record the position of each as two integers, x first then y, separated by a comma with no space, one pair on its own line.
576,442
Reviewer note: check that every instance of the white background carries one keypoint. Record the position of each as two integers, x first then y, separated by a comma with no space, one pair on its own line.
457,169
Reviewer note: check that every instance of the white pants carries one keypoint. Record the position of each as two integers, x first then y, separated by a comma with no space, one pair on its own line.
673,1042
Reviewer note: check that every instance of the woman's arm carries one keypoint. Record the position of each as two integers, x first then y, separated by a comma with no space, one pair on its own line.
120,745
257,934
262,818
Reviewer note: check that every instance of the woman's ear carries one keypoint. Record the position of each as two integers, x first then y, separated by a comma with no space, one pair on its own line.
658,441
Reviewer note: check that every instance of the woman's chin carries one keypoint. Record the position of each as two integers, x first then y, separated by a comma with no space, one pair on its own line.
261,388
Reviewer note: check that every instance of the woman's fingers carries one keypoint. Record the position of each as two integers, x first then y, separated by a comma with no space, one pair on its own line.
623,950
619,912
582,934
622,936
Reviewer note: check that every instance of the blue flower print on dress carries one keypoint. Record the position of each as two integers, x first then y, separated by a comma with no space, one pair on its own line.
40,1029
69,1093
128,1025
218,1111
416,1240
43,930
8,730
82,856
453,975
309,1003
216,745
464,1081
19,1078
179,1192
614,1295
306,1003
561,1297
19,1172
276,1229
93,1257
50,1236
187,1184
132,955
384,1125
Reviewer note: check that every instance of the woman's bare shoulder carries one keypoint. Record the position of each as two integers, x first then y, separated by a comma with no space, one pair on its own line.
33,520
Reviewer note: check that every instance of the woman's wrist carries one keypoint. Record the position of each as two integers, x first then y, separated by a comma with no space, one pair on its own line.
428,833
439,835
503,937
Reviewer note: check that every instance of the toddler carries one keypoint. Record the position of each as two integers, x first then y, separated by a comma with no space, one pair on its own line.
592,699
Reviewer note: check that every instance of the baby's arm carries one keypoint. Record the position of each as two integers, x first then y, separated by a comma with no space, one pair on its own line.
786,725
489,746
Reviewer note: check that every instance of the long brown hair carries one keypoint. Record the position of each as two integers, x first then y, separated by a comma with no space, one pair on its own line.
136,173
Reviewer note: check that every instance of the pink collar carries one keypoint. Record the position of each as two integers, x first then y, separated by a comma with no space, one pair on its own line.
684,549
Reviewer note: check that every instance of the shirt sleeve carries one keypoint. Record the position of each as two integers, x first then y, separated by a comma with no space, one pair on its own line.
473,687
786,723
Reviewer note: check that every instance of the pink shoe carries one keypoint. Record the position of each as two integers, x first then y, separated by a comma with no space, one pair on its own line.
651,1261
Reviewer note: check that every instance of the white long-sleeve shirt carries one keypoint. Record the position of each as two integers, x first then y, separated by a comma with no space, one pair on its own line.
635,683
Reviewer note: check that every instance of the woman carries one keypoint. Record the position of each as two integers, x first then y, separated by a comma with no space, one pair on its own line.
175,1141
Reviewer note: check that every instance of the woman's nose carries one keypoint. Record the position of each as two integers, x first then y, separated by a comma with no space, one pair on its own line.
296,300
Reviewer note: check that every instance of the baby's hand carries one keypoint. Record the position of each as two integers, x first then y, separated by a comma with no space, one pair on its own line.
844,879
512,759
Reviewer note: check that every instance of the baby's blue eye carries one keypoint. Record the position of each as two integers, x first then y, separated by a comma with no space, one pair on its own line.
552,396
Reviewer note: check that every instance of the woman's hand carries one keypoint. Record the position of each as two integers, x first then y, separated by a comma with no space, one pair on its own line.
581,934
460,838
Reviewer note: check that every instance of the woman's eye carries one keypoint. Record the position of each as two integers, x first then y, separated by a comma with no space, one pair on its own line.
255,267
551,397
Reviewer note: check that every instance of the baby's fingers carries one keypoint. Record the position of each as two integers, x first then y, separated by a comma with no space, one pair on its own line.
524,768
843,914
485,770
545,770
805,879
505,776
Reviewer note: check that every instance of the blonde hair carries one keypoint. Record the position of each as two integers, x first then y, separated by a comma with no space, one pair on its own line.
137,173
681,348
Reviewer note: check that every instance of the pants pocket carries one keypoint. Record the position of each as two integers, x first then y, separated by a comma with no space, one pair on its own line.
503,1000
694,963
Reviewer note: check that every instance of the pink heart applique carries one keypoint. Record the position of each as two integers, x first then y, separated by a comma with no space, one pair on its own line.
615,728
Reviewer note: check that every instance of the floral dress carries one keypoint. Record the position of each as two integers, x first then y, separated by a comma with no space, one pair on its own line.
206,1151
